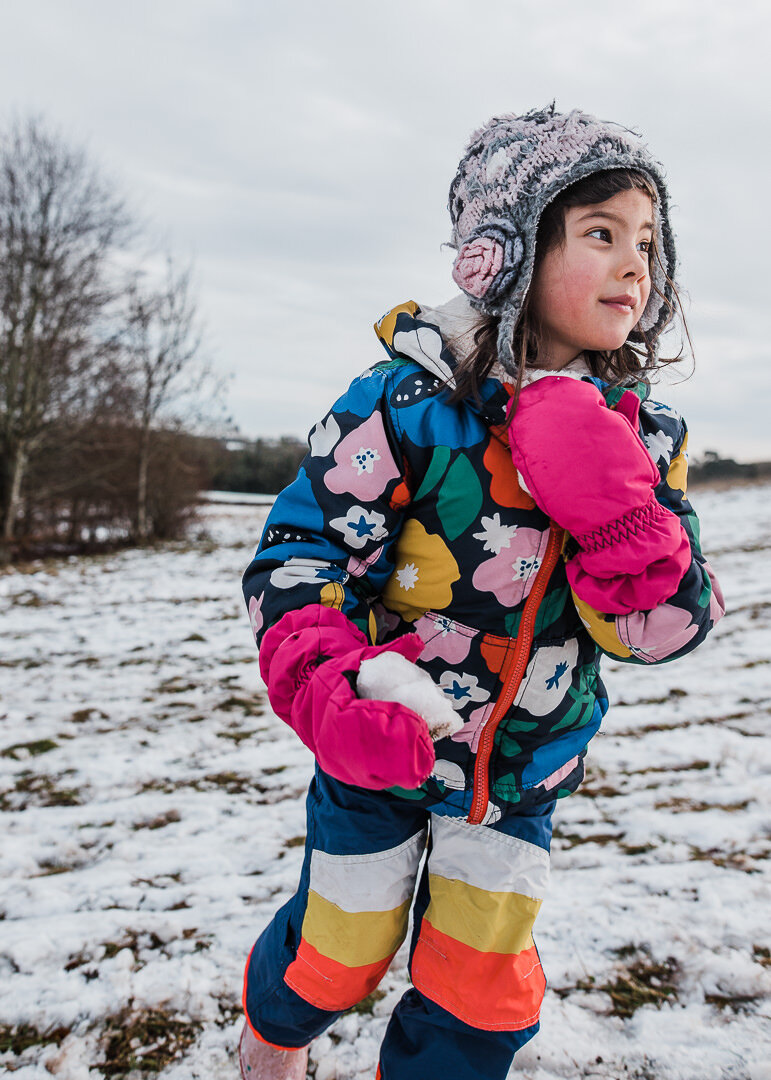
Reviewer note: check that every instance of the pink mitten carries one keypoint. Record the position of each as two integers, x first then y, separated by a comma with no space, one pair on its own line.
587,468
309,660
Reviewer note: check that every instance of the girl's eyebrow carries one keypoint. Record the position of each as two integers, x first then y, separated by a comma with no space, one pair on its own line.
613,217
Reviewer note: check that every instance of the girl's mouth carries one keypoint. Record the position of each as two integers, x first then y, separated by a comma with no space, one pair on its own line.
625,309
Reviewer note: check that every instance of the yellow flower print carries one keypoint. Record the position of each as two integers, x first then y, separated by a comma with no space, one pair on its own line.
424,572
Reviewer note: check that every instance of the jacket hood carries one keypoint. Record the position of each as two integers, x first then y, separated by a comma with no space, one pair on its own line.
437,339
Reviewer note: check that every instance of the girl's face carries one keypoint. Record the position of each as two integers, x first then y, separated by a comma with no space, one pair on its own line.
590,292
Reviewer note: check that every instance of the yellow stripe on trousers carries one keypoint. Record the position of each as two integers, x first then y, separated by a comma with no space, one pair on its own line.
499,922
353,938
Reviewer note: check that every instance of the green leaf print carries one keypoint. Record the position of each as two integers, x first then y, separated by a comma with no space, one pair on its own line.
460,498
435,471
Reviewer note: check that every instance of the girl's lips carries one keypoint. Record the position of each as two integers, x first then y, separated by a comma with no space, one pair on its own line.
625,309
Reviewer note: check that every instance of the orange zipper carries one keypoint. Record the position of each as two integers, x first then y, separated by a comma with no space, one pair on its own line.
512,673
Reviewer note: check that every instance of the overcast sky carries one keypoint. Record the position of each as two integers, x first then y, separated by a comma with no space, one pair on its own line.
301,152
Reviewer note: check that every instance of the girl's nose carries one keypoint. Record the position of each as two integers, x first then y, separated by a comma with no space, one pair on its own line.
634,263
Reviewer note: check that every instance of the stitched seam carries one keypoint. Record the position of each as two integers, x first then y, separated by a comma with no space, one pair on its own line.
452,1008
491,835
320,974
389,384
376,856
623,528
456,628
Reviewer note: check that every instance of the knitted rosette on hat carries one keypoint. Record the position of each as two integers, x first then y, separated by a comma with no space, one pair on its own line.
513,167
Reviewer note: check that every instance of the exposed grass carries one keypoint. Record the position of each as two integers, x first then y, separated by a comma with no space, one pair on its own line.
250,706
734,1002
176,685
29,749
236,736
686,766
680,805
30,598
761,954
135,940
31,789
674,693
571,840
169,817
366,1007
728,860
232,782
80,716
20,1037
641,982
146,1042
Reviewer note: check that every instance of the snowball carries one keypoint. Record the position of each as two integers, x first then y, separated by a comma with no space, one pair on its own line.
390,677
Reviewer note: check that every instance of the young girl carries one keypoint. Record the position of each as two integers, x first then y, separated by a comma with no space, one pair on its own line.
479,518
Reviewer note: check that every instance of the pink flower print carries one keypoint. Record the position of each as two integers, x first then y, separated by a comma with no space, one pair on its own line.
255,614
471,732
357,567
654,635
364,465
477,264
511,573
716,600
444,639
554,778
385,620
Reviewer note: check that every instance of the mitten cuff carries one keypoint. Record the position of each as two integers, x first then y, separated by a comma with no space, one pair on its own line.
637,570
644,524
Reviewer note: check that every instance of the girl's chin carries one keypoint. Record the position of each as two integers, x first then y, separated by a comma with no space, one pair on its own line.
609,343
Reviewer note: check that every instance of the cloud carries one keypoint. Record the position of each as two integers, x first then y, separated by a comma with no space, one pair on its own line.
303,152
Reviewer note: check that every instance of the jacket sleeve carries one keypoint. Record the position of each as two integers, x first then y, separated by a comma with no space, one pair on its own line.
329,536
675,627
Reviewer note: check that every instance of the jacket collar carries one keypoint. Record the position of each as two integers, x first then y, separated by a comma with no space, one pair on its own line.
439,338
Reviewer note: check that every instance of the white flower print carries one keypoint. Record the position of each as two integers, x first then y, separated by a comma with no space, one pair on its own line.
496,536
324,437
408,576
523,568
664,410
364,459
659,446
298,571
426,344
359,526
461,689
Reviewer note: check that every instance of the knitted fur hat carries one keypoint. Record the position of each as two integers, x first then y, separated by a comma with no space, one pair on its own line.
513,167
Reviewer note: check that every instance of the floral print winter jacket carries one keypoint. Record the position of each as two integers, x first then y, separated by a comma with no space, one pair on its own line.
407,514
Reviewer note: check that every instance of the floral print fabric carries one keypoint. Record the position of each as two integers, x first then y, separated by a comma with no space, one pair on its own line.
407,514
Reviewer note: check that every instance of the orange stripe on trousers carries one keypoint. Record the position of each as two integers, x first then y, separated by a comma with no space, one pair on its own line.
329,984
488,990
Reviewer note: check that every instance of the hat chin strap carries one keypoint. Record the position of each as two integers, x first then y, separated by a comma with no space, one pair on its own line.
505,343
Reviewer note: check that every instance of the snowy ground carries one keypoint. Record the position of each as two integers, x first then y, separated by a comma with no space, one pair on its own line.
152,822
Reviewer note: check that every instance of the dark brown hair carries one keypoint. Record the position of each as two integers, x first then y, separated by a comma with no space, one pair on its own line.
618,366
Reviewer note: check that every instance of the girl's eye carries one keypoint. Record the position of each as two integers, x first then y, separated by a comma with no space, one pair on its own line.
605,233
645,245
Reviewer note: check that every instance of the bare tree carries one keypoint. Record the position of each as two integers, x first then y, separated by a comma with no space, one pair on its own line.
59,222
171,382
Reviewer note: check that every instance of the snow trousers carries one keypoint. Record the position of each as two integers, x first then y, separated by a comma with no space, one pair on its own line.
474,890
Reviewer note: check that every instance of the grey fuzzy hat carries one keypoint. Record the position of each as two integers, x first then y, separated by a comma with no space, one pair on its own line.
512,169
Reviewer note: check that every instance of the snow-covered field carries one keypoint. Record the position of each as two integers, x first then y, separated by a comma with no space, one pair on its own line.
152,822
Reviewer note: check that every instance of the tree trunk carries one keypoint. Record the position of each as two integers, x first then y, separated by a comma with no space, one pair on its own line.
143,524
14,474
